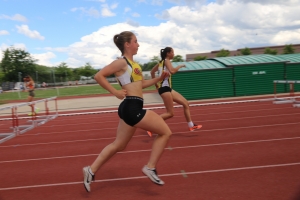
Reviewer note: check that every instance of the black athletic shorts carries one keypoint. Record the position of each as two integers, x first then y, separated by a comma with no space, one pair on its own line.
31,93
131,110
164,89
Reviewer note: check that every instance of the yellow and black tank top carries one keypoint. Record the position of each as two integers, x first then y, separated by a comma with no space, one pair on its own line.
132,74
168,80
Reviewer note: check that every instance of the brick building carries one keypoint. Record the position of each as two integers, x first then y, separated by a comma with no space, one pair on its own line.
254,51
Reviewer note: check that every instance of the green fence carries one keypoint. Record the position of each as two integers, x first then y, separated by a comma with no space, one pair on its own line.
203,84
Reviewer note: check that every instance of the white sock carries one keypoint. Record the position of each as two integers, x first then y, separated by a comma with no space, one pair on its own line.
90,171
190,124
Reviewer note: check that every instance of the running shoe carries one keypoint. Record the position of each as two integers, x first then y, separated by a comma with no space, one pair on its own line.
87,178
195,127
149,133
152,174
32,113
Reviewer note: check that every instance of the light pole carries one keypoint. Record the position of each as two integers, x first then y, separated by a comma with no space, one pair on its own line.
54,78
66,77
55,83
20,76
36,76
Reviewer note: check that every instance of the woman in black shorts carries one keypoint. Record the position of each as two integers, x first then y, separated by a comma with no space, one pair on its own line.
131,112
166,92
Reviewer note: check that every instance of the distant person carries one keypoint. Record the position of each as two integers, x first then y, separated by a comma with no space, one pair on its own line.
31,86
166,92
44,85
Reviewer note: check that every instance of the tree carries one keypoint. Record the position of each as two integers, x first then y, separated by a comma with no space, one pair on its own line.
63,72
86,70
148,66
288,49
246,51
198,58
16,62
223,53
270,51
177,58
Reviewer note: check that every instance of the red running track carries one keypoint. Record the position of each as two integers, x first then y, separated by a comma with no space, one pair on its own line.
244,151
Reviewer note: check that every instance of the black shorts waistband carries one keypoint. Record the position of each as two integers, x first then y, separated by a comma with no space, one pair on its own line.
134,97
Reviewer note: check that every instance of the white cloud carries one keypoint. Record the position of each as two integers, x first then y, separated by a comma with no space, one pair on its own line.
204,28
4,32
127,9
136,15
93,12
102,1
114,6
24,29
106,11
286,37
44,58
132,23
4,46
157,2
16,17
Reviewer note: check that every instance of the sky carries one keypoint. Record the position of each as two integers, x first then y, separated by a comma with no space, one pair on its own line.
77,32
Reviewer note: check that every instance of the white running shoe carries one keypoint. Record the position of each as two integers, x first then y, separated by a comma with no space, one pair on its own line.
152,174
87,178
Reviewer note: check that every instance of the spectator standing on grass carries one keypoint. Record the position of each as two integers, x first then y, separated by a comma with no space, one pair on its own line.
131,112
31,86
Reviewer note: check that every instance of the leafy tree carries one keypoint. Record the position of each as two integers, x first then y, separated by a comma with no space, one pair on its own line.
198,58
148,66
1,77
223,53
43,74
177,58
63,72
86,70
270,51
246,51
16,63
288,49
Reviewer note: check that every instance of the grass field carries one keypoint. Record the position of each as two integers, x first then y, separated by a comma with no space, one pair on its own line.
59,92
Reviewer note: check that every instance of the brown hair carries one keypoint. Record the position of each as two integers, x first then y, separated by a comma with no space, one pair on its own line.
28,77
121,39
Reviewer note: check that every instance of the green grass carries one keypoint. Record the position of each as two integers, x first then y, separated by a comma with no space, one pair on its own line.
60,92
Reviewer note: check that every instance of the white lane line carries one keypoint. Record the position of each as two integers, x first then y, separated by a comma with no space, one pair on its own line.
161,175
240,118
168,124
136,136
145,150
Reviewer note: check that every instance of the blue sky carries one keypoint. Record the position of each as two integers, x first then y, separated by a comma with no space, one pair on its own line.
81,31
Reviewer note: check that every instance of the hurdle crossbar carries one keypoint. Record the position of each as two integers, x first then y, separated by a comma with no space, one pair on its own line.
34,120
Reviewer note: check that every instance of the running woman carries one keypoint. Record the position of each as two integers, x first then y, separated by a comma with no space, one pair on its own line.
166,92
30,85
131,112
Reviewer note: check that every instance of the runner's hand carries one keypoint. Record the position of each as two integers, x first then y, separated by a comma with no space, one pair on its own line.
164,75
120,94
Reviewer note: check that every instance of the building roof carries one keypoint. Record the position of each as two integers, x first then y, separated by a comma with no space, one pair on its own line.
199,65
250,59
293,58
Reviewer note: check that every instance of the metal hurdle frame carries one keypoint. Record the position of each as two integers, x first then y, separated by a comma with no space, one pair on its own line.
291,98
34,120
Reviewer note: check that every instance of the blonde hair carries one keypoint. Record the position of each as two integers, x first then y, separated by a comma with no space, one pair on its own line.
121,39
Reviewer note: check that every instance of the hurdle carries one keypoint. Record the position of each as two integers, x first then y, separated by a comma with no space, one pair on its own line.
291,98
22,123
